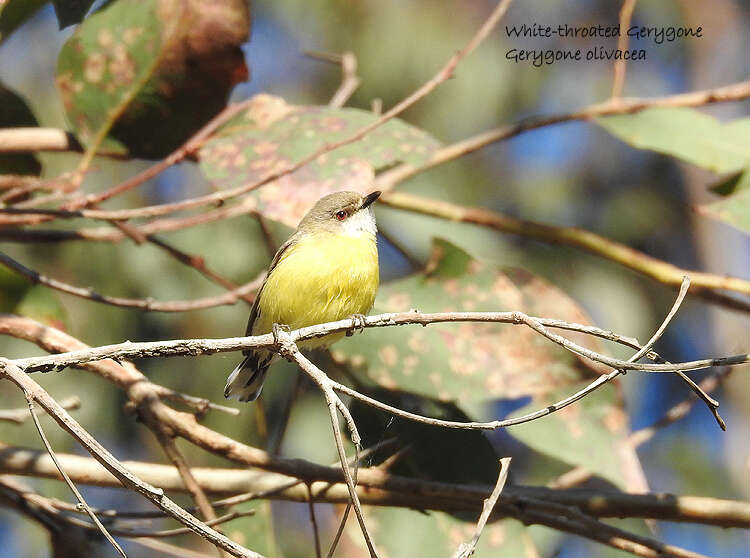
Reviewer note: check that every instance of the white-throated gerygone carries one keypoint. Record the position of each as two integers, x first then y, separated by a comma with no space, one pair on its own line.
326,271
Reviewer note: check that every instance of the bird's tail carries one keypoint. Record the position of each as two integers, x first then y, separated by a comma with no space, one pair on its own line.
246,381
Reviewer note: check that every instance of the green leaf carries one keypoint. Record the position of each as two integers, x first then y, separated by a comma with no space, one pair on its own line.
467,362
589,433
733,210
136,63
14,112
687,134
273,135
14,13
70,12
401,532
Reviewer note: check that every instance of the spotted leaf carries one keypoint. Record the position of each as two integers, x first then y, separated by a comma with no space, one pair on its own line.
467,361
137,63
272,135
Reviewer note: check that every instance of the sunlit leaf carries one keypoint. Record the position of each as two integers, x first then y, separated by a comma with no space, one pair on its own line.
273,135
14,13
687,134
137,63
467,361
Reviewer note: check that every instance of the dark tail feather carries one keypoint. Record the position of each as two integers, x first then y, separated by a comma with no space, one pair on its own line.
246,381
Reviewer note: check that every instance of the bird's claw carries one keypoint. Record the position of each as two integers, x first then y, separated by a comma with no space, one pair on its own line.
358,325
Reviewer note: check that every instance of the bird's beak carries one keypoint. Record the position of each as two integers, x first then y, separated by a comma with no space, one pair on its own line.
369,199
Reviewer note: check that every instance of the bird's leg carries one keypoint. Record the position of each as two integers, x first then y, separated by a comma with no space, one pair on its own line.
358,324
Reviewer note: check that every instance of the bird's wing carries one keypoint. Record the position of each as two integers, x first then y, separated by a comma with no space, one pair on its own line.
255,311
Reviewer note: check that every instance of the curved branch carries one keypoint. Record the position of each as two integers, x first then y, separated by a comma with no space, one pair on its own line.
228,298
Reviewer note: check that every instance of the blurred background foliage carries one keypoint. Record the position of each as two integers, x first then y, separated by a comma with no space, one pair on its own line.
573,174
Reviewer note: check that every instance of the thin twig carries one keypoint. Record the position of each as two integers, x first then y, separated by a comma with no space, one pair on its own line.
467,549
340,530
289,350
314,523
148,304
579,475
734,92
621,64
19,416
30,399
188,148
350,81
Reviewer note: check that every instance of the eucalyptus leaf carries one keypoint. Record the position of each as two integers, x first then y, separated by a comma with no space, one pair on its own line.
136,63
467,362
272,135
589,433
687,134
733,210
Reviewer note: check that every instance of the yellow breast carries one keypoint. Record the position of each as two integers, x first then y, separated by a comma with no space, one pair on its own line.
321,278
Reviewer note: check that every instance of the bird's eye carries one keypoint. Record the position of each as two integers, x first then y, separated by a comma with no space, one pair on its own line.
341,215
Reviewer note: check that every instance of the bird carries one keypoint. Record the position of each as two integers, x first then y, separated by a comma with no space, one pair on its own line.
326,271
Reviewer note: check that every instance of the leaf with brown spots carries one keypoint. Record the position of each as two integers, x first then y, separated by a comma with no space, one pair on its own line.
148,74
467,361
272,135
590,433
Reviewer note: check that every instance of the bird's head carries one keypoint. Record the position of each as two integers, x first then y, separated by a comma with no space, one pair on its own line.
348,213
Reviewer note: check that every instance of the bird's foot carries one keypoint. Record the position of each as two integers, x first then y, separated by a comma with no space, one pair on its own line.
282,341
358,324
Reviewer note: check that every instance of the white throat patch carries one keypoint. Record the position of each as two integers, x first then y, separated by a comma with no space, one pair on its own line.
361,222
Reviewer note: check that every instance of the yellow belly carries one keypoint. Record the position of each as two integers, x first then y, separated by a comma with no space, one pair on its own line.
320,280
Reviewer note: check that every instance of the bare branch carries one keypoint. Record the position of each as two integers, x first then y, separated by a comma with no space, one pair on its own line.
734,92
377,488
227,298
349,80
20,140
467,549
19,416
621,64
194,347
705,285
